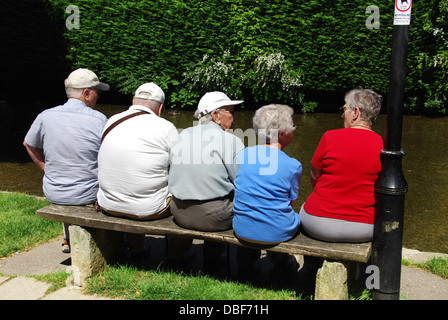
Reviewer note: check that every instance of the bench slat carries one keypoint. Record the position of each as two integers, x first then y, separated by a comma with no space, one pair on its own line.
301,244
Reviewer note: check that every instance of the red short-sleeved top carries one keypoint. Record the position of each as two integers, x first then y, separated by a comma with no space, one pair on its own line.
350,163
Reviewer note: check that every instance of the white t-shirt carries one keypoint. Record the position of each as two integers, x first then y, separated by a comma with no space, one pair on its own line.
133,163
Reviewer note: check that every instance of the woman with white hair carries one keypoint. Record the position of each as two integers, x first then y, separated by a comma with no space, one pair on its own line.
266,186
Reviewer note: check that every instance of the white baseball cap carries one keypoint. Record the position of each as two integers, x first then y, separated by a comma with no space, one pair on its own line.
150,91
84,78
215,100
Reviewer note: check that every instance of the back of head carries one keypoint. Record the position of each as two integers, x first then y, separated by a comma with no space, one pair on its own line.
368,102
212,101
272,119
149,95
82,79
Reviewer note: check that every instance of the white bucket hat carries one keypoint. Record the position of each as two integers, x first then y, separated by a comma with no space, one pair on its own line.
150,91
214,100
84,78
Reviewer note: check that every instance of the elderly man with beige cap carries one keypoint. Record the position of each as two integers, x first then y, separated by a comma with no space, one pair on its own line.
63,141
133,162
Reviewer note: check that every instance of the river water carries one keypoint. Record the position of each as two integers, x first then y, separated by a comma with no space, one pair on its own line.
425,167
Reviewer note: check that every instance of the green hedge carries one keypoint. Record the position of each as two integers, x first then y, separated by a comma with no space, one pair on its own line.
262,51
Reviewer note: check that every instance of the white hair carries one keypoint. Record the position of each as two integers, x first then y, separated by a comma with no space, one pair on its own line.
272,119
151,104
205,118
74,93
368,101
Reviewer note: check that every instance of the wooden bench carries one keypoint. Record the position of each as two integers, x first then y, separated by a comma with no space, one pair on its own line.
94,237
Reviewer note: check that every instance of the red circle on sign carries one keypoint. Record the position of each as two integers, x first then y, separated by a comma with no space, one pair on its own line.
403,10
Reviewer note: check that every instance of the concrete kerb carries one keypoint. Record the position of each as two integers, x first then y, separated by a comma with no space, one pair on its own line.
26,288
15,283
419,256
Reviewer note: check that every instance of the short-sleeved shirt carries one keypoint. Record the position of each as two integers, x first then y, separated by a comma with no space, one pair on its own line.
350,163
70,137
267,181
204,163
133,163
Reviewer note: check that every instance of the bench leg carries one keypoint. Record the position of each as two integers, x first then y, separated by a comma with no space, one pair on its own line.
91,250
331,282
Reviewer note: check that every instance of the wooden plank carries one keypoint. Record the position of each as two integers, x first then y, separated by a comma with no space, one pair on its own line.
301,244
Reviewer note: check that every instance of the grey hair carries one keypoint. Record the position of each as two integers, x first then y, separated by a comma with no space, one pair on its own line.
202,119
272,119
205,118
151,104
368,101
74,93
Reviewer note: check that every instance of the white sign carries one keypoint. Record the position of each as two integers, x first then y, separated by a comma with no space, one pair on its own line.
402,15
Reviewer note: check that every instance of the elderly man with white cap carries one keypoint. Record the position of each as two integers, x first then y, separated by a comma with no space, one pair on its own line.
64,141
133,161
202,172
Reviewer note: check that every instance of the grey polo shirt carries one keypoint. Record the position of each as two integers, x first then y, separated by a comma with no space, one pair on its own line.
70,137
203,163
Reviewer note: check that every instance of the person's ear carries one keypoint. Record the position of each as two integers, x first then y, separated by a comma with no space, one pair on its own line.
159,110
215,116
356,114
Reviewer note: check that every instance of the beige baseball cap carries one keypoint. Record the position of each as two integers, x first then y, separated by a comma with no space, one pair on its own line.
84,78
150,91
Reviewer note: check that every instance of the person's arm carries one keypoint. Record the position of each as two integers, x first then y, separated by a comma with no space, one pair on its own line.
295,185
314,176
316,161
37,155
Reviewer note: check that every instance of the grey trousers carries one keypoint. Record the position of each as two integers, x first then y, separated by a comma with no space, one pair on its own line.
209,215
335,230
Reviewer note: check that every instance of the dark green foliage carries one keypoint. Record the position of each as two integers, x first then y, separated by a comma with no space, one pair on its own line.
319,47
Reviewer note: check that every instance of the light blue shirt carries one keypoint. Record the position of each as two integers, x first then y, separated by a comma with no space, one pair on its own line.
70,137
267,181
203,163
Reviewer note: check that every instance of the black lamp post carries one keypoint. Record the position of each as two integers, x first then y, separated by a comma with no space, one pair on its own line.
391,185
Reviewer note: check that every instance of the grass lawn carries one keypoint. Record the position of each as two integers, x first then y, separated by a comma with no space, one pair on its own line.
20,227
127,282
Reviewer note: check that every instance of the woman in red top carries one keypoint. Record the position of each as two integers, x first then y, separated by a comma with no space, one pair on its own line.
344,169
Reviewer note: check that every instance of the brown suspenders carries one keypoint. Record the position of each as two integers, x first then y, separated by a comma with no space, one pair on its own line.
116,123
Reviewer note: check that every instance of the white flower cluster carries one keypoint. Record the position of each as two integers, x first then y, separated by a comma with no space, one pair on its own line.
211,73
442,58
273,67
266,75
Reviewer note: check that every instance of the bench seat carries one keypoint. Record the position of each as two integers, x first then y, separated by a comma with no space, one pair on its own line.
88,218
301,244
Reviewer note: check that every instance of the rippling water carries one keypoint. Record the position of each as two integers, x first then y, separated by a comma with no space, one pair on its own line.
425,167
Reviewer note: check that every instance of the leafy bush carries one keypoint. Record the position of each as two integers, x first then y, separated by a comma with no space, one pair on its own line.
274,78
433,60
189,47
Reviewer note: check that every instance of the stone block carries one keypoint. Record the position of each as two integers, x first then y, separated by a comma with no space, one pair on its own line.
91,250
331,282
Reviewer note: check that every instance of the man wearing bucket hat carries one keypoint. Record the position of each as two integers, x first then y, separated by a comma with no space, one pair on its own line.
63,141
203,168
